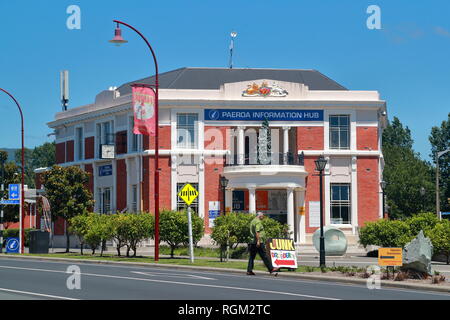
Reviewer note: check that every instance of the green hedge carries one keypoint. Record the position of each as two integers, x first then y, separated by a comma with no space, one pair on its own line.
397,233
14,233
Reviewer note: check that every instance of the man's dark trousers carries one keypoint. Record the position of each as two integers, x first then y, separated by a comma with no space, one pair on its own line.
253,249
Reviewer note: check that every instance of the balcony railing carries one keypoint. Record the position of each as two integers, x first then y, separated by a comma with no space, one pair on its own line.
271,159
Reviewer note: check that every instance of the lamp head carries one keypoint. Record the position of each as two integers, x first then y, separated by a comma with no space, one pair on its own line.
223,182
118,40
320,163
233,34
383,184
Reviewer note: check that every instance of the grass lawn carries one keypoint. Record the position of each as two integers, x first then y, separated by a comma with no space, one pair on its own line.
206,262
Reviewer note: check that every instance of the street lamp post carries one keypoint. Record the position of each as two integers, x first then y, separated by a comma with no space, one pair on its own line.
22,192
438,200
223,184
383,188
320,166
119,40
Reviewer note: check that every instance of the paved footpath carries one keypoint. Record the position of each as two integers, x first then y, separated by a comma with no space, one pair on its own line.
35,279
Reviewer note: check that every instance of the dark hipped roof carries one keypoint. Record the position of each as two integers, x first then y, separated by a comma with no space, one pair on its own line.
213,78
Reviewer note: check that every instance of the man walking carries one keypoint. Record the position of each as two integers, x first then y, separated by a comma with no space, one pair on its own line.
257,245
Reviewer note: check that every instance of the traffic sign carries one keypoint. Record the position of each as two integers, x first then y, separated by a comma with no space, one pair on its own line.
5,202
188,194
12,245
390,257
14,193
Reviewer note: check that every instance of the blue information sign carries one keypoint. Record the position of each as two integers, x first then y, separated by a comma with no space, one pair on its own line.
13,192
12,245
105,170
262,114
5,202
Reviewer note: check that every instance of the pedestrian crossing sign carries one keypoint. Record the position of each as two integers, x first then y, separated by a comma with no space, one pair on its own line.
188,194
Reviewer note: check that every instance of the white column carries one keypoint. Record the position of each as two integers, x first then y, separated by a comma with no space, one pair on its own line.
201,186
290,209
241,145
354,195
229,199
114,188
326,193
173,181
252,200
286,140
301,226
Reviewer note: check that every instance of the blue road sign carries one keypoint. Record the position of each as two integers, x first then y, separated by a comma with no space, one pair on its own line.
14,193
6,202
12,245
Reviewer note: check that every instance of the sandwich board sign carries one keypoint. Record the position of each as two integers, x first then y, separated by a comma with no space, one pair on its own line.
390,257
282,253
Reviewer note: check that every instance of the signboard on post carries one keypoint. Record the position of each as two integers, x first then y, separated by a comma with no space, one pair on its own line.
188,194
282,253
390,257
12,245
14,192
213,212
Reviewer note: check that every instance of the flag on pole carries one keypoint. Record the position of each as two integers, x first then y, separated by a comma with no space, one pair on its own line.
144,110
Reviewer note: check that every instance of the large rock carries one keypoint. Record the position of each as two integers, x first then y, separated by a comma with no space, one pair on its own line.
417,254
335,241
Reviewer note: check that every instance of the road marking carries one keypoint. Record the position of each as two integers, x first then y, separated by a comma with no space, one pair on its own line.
37,294
172,275
180,283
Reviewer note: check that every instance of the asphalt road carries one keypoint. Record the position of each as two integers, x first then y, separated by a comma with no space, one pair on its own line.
25,279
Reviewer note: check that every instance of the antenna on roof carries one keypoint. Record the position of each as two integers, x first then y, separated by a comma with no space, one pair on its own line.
233,35
64,86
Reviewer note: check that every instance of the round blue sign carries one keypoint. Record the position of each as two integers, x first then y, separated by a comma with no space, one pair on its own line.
12,245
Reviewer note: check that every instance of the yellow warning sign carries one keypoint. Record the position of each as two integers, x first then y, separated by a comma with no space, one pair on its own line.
188,194
390,257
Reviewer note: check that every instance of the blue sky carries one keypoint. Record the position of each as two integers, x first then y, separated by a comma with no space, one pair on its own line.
407,61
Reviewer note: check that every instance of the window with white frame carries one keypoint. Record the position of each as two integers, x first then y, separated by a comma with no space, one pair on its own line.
134,198
133,141
340,203
104,134
104,196
187,130
79,144
339,132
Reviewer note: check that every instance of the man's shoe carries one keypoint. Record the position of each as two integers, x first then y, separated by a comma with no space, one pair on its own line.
275,270
251,273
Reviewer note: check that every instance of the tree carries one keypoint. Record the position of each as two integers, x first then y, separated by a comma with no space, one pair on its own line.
67,193
40,157
409,179
440,141
9,175
173,228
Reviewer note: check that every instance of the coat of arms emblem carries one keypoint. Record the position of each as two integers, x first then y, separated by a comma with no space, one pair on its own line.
264,90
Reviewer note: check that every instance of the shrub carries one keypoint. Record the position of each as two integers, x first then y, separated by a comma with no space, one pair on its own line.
79,225
136,227
14,233
173,228
423,221
440,238
234,228
385,233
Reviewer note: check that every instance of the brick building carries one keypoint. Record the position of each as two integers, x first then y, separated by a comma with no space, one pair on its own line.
211,125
